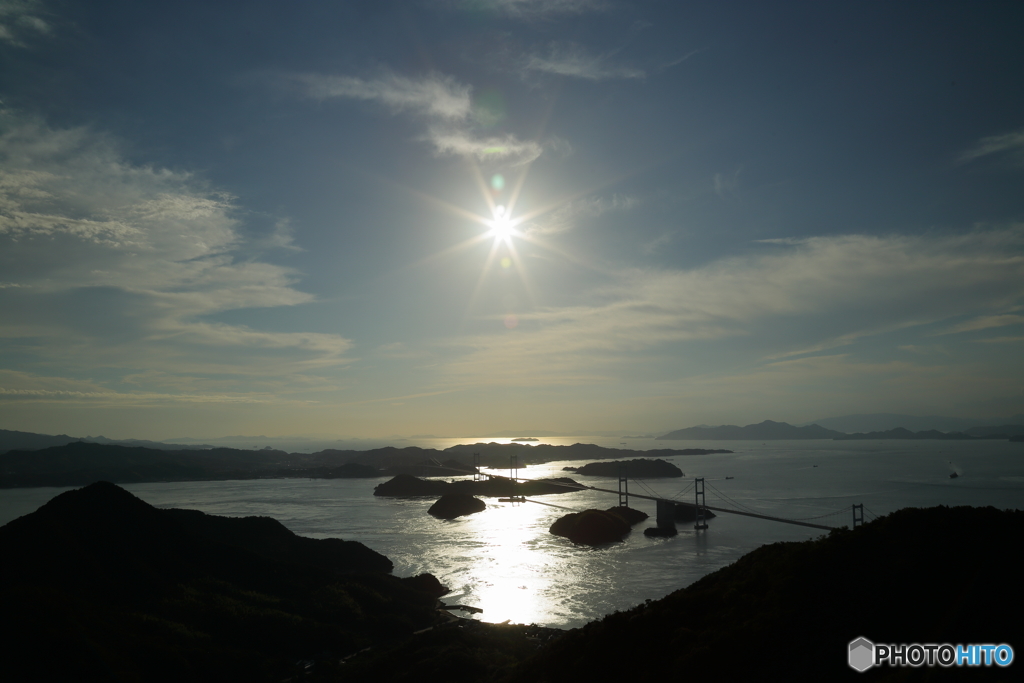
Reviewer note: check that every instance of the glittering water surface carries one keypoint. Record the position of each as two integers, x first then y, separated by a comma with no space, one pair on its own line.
504,561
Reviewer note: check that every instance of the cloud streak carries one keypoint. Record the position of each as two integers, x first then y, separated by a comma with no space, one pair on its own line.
836,290
1008,143
530,9
112,265
569,215
20,21
576,62
434,95
443,102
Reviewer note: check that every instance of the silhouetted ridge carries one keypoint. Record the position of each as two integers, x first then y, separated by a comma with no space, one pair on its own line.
271,539
767,430
123,590
787,611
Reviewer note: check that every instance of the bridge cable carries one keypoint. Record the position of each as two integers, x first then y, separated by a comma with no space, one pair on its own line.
793,519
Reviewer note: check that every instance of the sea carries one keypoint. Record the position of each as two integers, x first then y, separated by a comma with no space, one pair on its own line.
505,562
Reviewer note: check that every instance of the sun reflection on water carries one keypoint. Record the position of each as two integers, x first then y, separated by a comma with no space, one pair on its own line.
512,577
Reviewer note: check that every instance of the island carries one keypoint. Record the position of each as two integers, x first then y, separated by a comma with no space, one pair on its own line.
643,468
453,505
597,527
405,485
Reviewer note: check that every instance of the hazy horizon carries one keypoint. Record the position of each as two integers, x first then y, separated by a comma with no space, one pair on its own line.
380,218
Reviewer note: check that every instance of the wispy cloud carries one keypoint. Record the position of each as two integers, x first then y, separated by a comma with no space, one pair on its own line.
1008,143
835,289
679,60
985,322
445,103
506,148
1002,340
655,245
433,95
569,59
529,9
112,265
20,20
569,215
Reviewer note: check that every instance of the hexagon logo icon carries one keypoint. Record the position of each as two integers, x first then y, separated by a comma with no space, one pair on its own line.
862,654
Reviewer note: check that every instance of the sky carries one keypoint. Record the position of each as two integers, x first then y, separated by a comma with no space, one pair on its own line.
466,216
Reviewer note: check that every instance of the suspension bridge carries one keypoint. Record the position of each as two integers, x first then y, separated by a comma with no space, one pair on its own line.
666,507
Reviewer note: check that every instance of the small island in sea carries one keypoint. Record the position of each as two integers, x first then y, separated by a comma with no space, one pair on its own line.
644,468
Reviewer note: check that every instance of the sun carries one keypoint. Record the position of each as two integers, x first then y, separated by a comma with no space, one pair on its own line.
502,225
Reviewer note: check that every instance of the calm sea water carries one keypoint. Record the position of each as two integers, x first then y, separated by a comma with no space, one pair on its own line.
504,561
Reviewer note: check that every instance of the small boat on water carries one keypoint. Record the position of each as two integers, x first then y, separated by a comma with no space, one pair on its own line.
953,475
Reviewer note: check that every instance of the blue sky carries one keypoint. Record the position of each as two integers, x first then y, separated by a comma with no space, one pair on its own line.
459,217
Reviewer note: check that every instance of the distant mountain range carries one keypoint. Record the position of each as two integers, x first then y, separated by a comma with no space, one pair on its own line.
756,432
28,441
881,422
769,430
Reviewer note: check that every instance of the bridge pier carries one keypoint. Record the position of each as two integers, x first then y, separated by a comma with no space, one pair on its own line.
666,515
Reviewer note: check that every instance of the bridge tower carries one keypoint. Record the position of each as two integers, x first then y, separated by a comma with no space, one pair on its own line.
623,486
698,493
477,476
858,519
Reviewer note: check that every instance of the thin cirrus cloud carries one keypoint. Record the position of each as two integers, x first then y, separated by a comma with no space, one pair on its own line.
505,148
20,21
443,102
575,61
986,322
434,95
835,290
111,265
570,214
529,9
1011,144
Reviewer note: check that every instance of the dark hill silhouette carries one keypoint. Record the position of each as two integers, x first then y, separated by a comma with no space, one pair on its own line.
643,468
405,485
786,611
80,463
939,575
497,454
103,586
29,441
762,431
13,440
